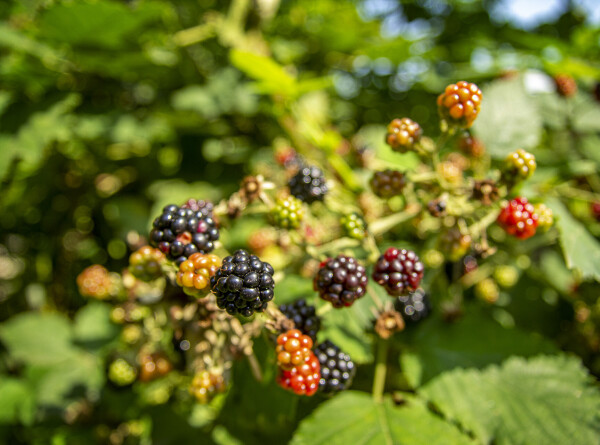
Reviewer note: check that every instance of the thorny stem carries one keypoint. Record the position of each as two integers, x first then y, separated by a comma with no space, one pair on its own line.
380,369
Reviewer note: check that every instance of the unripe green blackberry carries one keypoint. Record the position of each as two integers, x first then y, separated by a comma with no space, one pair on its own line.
545,216
288,213
487,290
387,183
403,134
454,244
354,226
460,103
506,275
146,263
520,164
121,373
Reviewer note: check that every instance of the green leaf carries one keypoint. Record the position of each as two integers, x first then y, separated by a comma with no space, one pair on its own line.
271,77
17,401
509,118
92,324
38,338
474,341
543,400
581,250
355,418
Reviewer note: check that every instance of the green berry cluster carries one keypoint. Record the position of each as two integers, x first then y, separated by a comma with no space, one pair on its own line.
520,163
354,226
288,213
146,263
545,216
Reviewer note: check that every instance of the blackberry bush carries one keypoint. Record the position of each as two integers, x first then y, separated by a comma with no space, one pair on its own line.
309,185
341,281
337,368
304,317
399,271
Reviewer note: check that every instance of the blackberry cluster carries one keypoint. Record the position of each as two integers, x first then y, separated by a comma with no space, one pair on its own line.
304,317
460,103
293,349
96,282
181,231
518,218
309,185
520,163
341,281
207,384
414,307
403,134
243,284
354,226
337,368
399,271
288,213
387,183
303,380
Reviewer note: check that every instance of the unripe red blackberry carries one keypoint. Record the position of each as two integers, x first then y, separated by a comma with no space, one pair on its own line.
146,263
288,213
309,185
341,281
354,226
565,85
293,349
471,146
595,209
243,284
337,368
304,316
399,271
388,183
303,380
520,164
195,273
460,103
207,384
518,218
414,307
485,191
154,366
181,232
96,282
545,216
403,134
454,244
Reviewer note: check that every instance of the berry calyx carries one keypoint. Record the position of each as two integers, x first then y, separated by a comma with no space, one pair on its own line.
520,164
309,185
565,85
413,307
387,183
337,368
146,263
341,281
207,384
460,103
403,134
545,216
96,282
288,213
303,380
304,317
243,284
354,226
518,218
182,231
399,271
195,272
293,349
121,373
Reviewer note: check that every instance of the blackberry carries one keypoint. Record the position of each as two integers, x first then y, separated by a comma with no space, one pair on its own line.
341,281
454,243
200,205
403,134
154,366
96,282
195,272
354,226
414,307
304,317
565,85
146,263
460,103
309,185
337,368
387,183
243,284
545,216
303,379
518,218
180,231
293,349
437,207
399,271
206,385
288,213
519,164
121,373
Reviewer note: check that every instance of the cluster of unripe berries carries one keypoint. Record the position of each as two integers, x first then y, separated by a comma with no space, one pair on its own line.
195,272
288,213
460,103
403,134
96,282
300,370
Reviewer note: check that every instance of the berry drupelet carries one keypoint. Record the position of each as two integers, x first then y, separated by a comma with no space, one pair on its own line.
180,232
403,134
309,185
413,307
243,284
337,368
304,379
304,317
341,281
518,218
399,271
460,103
293,349
387,183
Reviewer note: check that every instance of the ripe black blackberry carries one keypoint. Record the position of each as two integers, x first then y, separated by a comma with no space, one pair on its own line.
304,317
337,368
387,183
399,271
243,284
180,232
414,307
309,185
341,280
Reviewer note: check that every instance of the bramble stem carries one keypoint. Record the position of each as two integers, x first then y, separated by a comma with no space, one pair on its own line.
483,223
380,369
382,225
324,309
255,367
